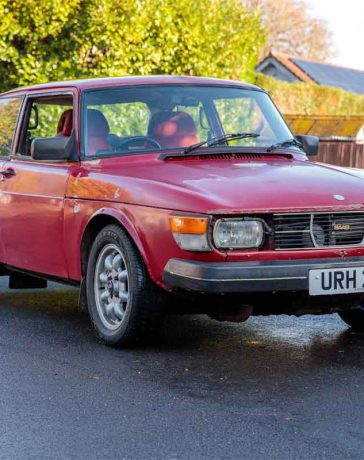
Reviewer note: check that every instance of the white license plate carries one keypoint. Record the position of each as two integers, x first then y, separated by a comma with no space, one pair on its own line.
328,281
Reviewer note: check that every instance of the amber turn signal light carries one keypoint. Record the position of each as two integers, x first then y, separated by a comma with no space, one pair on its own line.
189,225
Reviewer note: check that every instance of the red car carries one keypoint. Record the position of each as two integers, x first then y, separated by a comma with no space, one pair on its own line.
161,193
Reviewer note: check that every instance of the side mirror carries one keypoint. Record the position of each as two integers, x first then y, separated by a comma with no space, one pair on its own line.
310,144
52,148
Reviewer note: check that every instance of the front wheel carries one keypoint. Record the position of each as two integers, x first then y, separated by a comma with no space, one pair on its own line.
123,304
354,318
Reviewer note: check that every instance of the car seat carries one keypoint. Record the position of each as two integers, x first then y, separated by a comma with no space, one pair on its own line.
173,129
97,131
65,124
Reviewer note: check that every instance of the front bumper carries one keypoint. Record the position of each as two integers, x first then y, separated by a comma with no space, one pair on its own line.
235,277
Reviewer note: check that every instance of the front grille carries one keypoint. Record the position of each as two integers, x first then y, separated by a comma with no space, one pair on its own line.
318,230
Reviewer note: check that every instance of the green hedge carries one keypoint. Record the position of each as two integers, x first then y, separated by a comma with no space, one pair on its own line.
310,98
43,40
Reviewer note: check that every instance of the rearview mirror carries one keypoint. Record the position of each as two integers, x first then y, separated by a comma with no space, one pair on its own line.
310,144
52,148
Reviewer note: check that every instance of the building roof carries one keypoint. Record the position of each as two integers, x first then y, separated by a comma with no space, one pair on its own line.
332,75
287,62
323,74
133,80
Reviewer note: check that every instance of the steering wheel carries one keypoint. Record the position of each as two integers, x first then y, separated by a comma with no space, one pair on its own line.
138,139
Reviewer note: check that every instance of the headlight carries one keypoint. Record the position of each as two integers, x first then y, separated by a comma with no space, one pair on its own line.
238,233
190,233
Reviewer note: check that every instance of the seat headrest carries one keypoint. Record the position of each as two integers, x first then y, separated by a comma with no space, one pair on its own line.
65,124
173,129
97,125
169,123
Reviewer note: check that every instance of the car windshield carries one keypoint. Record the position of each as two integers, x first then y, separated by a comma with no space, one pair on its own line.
154,118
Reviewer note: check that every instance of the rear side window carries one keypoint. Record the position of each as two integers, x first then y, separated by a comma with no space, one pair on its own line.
9,111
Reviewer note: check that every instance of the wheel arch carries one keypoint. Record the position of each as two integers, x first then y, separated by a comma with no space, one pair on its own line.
97,222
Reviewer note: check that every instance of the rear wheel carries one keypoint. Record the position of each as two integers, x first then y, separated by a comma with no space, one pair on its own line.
354,318
123,303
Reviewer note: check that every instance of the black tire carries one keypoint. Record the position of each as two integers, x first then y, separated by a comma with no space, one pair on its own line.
354,318
142,312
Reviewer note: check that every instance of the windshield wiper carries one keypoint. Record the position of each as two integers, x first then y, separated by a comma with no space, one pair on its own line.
286,143
218,140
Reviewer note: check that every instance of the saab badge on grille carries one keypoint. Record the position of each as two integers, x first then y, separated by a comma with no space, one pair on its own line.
339,197
340,227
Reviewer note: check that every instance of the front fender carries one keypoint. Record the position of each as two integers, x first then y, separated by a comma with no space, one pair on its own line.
79,218
148,228
126,222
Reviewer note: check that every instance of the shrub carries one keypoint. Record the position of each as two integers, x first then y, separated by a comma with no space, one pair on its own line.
310,98
42,40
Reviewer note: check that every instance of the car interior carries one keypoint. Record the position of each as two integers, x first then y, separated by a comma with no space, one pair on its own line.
165,129
127,121
46,117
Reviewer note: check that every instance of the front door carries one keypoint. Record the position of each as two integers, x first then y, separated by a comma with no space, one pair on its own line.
34,191
33,229
10,107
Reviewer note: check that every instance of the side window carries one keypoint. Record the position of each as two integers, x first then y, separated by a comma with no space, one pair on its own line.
48,116
9,111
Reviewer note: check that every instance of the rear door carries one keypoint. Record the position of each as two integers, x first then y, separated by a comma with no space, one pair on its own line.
34,190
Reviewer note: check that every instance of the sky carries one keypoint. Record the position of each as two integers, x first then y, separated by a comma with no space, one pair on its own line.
345,19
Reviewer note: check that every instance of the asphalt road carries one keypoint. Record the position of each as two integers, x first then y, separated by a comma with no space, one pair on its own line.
271,388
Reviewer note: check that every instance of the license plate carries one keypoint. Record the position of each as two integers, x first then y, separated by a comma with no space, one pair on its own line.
328,281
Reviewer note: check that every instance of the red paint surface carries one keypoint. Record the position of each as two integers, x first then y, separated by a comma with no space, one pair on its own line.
46,207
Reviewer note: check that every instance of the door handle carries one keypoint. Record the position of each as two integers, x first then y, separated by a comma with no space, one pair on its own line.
7,172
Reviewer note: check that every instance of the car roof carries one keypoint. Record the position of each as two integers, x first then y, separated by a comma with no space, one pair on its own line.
93,83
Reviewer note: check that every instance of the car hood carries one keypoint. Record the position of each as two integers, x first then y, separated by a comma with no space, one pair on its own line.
220,185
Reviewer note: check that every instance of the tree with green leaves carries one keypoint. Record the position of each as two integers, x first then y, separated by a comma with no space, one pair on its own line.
42,40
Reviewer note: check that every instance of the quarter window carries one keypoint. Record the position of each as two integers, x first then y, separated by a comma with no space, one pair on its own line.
9,111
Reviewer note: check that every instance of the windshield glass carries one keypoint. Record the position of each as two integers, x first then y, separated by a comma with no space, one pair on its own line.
154,118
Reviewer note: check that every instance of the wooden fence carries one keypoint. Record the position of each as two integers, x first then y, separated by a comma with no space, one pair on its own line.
341,153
